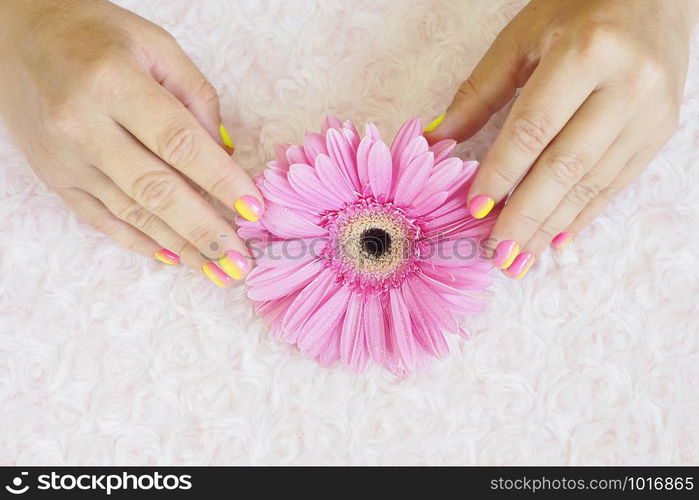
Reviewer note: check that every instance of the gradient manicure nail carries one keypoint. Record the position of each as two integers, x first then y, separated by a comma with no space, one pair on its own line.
234,264
434,124
216,274
505,253
249,208
167,257
561,240
481,206
521,265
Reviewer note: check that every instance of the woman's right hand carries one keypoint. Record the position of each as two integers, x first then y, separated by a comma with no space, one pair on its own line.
115,118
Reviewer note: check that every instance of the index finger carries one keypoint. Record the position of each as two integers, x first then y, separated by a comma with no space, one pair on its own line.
552,95
165,126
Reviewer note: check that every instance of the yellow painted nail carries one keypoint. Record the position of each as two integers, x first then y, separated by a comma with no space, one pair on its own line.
434,124
225,137
234,264
481,206
249,208
167,257
216,275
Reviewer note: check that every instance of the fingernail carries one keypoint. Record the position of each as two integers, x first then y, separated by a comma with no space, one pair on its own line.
521,265
505,253
434,124
561,239
249,208
234,264
481,206
225,137
215,274
167,257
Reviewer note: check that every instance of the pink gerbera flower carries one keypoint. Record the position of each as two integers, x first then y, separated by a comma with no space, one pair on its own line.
366,252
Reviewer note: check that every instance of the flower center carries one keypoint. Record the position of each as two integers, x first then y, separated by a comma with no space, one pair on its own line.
375,242
372,244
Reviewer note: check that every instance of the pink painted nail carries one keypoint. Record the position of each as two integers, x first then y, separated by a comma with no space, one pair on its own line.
234,264
505,253
167,257
216,274
561,239
249,208
520,266
481,206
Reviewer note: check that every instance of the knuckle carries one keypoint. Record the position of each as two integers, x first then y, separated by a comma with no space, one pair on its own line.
597,40
610,192
565,168
178,144
582,193
651,70
505,176
531,131
526,219
546,233
104,224
63,117
204,237
102,71
179,248
135,215
154,191
221,184
471,89
208,94
646,75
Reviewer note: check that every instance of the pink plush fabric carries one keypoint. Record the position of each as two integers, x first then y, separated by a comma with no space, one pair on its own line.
107,357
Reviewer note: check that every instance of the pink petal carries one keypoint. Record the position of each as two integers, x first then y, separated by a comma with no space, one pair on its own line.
314,295
363,161
401,329
435,312
351,133
341,152
352,337
280,153
371,131
409,131
432,203
305,181
314,145
330,122
268,284
276,188
427,333
443,149
324,320
415,148
286,223
464,279
414,178
296,154
446,173
333,180
380,170
330,352
374,327
286,253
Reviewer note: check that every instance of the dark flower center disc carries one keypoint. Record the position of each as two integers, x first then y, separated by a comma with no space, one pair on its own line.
375,242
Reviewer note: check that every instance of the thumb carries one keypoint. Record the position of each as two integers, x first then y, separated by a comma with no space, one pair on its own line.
492,84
